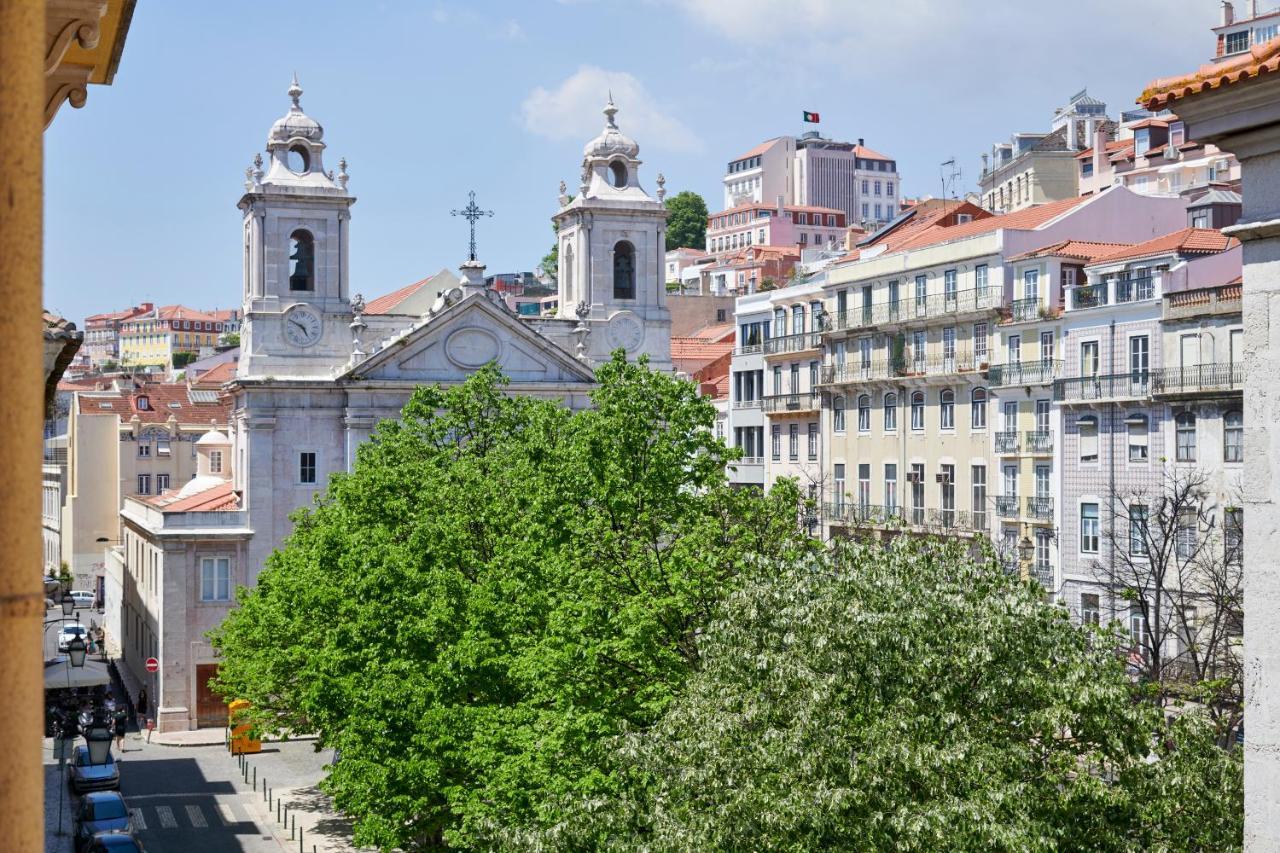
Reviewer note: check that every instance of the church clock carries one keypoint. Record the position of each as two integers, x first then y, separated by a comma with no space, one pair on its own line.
302,326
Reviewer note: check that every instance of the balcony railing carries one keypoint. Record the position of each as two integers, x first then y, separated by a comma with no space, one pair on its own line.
1025,372
1130,386
793,343
746,404
792,402
1007,441
880,369
1204,302
748,349
1007,506
911,309
1136,289
751,460
1023,310
958,520
1041,508
1203,378
1089,295
1039,441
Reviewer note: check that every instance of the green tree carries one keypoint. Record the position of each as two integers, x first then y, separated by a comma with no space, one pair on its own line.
687,223
497,589
182,358
231,339
906,698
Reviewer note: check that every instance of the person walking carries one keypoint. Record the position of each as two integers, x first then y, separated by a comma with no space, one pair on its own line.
121,723
142,705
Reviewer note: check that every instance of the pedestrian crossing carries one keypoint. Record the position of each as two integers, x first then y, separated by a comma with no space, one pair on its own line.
189,816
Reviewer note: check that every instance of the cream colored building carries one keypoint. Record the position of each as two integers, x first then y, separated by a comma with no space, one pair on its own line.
792,404
907,360
129,441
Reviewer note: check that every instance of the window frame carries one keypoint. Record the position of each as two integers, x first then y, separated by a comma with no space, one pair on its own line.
210,582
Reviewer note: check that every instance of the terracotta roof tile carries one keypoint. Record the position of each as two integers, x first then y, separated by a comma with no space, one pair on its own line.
163,399
760,205
1187,241
865,152
216,498
1261,59
216,376
759,149
388,303
1111,147
719,332
1031,217
1083,250
697,348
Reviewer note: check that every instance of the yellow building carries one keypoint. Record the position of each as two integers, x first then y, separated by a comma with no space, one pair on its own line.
151,339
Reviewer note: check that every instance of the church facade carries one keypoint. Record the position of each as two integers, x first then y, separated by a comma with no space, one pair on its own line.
319,368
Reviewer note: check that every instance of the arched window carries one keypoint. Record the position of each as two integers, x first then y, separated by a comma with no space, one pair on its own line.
978,408
890,411
619,171
779,322
299,160
797,319
864,413
624,271
837,414
917,410
1233,437
1088,427
947,409
302,257
567,260
1185,425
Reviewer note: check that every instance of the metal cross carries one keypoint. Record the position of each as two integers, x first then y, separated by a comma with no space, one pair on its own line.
472,213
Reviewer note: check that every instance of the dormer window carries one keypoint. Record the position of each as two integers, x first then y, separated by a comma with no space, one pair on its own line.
144,403
299,160
619,172
302,252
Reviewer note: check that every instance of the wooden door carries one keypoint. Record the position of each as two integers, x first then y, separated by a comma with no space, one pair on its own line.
211,711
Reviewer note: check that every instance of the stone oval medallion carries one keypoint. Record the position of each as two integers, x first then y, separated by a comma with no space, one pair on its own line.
472,347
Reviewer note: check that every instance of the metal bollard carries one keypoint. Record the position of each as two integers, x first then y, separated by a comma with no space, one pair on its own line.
300,841
294,828
266,791
278,805
255,778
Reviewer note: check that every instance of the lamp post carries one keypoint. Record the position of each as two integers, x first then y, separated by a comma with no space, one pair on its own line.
68,729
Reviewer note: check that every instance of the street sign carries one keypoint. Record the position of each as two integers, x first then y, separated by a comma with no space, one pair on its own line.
153,665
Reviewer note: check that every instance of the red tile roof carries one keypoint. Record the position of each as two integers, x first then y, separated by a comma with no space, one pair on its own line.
1188,241
1031,217
215,376
164,399
688,349
388,303
867,153
720,332
216,498
182,312
1261,59
759,149
1083,250
760,205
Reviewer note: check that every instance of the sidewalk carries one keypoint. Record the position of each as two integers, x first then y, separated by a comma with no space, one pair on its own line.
208,737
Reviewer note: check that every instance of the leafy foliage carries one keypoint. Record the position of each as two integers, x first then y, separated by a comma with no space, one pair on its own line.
498,589
905,698
687,223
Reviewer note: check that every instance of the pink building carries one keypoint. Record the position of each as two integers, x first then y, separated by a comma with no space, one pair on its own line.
1238,36
790,226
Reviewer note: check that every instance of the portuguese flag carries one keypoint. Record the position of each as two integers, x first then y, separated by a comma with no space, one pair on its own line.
812,118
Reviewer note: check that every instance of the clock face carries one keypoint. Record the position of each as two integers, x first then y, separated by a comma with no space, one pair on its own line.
624,331
302,326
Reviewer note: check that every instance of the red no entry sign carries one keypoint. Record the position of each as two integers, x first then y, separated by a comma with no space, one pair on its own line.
153,665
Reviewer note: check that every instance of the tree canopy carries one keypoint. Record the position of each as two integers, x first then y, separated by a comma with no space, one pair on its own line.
498,589
687,223
907,698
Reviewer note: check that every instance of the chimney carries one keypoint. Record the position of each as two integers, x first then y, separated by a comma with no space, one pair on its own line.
860,142
1253,9
1228,13
1099,150
780,210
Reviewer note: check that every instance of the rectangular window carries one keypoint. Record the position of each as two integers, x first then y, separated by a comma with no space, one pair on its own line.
1089,358
144,449
980,280
1139,361
775,439
1088,528
144,484
837,485
922,293
948,490
864,484
162,483
917,493
1137,530
949,349
949,288
777,379
980,356
890,487
1186,538
1088,427
1031,284
794,378
162,446
813,376
215,461
215,579
890,412
793,442
1233,536
1090,609
978,473
1046,349
813,442
306,467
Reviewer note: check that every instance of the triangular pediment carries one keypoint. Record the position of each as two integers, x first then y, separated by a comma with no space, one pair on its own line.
451,345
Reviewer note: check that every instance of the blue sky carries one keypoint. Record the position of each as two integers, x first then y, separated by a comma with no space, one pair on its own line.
428,100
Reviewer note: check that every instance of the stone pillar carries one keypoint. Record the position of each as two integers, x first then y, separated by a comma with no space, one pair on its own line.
22,95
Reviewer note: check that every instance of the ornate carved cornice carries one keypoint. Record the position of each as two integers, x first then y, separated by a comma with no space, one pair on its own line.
68,23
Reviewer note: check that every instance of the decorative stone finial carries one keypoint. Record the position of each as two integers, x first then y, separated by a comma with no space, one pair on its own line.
357,304
357,326
662,187
295,92
564,194
343,177
257,168
248,178
610,111
586,176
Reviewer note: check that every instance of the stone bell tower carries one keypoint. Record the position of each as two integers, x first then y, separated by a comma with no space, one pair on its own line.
296,254
613,250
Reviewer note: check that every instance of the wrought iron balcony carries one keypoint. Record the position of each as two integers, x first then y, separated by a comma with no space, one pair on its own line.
1025,372
1007,506
869,514
1135,289
793,343
1007,441
1201,379
911,309
804,402
1043,573
1089,295
1023,310
1040,508
746,404
1115,386
872,515
1039,441
880,370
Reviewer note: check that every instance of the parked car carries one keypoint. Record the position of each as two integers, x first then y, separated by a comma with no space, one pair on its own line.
100,811
93,777
83,597
69,632
115,842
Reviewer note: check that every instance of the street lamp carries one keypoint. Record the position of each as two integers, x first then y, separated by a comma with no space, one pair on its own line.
1026,549
68,604
76,650
98,737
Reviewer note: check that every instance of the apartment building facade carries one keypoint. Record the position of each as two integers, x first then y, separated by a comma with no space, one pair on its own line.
1235,36
745,426
102,334
792,401
150,339
780,225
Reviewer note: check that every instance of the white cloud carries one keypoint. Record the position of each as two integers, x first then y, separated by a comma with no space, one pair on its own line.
511,30
571,110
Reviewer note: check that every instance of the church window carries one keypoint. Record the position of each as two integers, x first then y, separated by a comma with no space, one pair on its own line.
568,267
299,160
619,173
624,271
302,255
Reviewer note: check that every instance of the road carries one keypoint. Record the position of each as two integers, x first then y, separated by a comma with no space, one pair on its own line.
182,799
52,618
